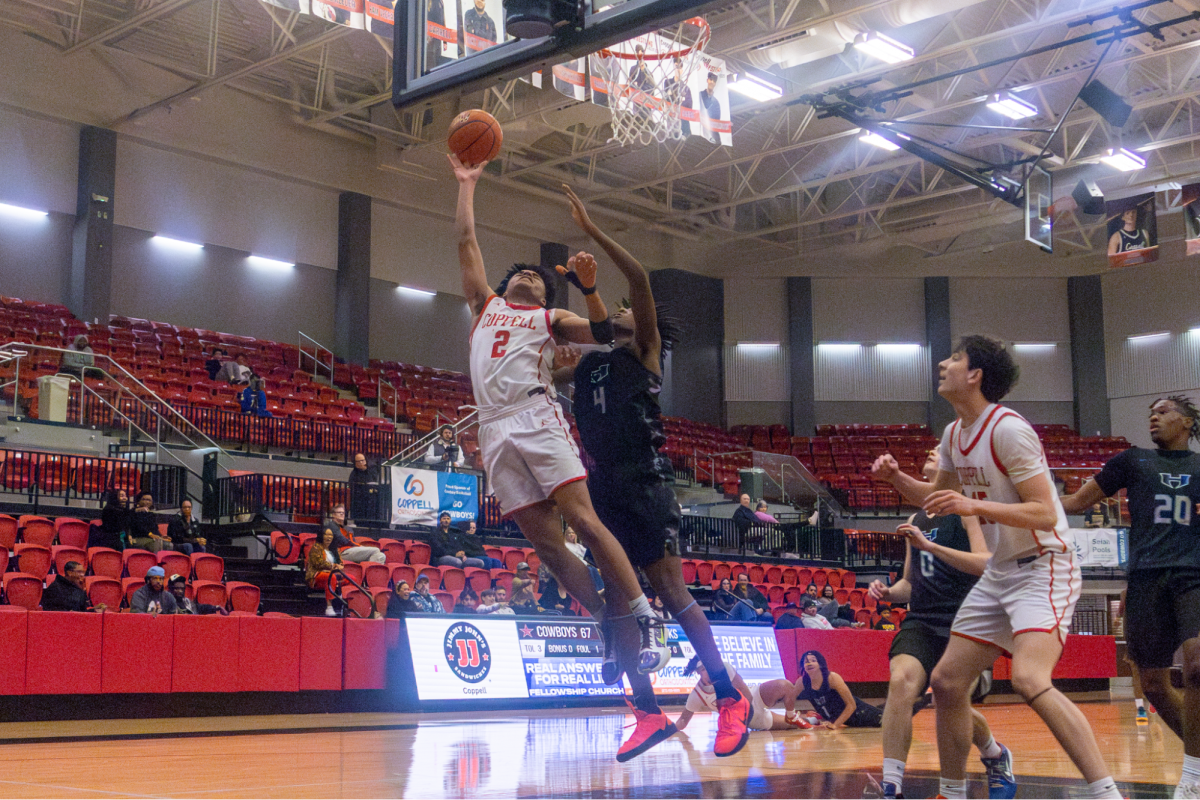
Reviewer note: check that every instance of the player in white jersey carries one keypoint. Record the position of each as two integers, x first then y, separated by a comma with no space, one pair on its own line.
992,467
528,453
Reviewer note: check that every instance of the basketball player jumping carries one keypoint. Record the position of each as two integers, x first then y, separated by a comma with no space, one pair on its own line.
1023,603
1162,603
528,451
616,410
951,555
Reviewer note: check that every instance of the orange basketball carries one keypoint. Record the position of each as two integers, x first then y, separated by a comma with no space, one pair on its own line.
475,137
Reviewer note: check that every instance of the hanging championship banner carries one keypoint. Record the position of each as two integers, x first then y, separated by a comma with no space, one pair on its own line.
1132,231
419,496
1191,217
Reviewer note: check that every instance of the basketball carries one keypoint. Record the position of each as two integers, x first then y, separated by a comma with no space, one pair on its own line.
475,137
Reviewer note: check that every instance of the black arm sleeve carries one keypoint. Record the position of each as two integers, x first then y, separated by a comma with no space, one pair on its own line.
602,332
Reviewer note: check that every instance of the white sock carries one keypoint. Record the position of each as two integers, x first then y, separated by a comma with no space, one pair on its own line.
641,607
1105,787
893,772
953,789
1191,769
991,749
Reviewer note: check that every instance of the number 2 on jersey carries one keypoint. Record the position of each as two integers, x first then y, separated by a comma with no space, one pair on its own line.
500,345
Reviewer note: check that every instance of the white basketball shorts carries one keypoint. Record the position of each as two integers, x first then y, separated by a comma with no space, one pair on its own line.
529,455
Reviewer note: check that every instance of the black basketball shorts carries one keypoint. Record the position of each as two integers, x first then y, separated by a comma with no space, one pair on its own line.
922,642
1162,611
644,518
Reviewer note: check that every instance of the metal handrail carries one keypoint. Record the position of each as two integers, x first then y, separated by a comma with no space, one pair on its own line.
408,453
380,382
318,348
711,458
13,355
208,442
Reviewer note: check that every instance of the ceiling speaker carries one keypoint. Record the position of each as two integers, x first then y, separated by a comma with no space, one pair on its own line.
1106,103
1088,197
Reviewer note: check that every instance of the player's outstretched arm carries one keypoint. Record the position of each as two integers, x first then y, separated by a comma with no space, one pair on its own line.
972,563
573,327
641,299
470,259
1036,510
1088,495
914,491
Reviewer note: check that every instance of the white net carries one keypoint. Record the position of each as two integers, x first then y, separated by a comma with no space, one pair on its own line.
647,81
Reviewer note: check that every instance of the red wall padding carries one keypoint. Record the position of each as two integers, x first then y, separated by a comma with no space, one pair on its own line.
269,654
1083,657
206,654
63,653
391,637
14,630
366,655
137,652
321,653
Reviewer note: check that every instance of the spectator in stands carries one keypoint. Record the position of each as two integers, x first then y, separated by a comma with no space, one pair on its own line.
116,520
323,570
744,520
473,547
753,596
152,598
428,603
885,623
727,605
344,540
253,398
554,598
448,546
811,619
401,602
236,371
496,604
144,533
467,601
177,585
364,490
812,591
215,362
790,618
834,611
445,452
656,605
67,592
1095,517
762,514
523,599
574,545
183,531
78,356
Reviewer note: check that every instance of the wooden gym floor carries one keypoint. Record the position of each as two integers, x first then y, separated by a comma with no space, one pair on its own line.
548,753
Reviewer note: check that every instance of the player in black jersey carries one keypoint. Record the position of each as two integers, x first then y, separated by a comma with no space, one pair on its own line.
1162,603
950,555
617,413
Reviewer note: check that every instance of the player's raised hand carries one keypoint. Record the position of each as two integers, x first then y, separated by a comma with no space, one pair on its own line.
885,468
579,211
916,537
464,173
566,357
948,501
879,590
581,271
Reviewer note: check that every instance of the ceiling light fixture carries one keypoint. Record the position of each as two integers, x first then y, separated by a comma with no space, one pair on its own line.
872,138
22,213
1124,160
1011,106
876,45
416,291
756,88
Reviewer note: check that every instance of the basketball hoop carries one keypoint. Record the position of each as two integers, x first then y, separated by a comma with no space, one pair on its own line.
647,79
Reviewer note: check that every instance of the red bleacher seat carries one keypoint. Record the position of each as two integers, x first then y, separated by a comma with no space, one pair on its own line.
138,561
478,579
129,586
23,590
418,552
8,531
376,576
704,573
447,599
211,593
512,557
503,577
62,553
72,532
104,590
453,579
689,570
106,562
36,530
359,603
243,596
33,559
174,563
394,551
353,571
380,599
208,567
404,572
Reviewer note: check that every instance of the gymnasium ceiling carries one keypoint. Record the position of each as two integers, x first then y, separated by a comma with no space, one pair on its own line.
794,185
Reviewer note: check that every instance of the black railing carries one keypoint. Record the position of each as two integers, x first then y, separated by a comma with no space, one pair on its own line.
280,494
45,476
875,549
707,534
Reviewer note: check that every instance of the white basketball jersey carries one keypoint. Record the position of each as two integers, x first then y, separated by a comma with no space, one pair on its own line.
511,353
990,457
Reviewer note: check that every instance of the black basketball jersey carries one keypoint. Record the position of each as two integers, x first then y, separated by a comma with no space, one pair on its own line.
1132,241
616,411
1164,505
938,589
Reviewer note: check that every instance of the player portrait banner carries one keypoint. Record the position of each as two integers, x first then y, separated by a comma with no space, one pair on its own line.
482,24
1099,547
1190,200
553,657
419,496
1132,231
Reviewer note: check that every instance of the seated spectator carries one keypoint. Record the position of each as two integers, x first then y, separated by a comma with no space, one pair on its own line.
364,490
811,619
554,598
885,623
236,371
116,520
323,570
754,597
494,602
448,547
1095,517
345,542
812,591
183,531
445,452
576,547
656,605
215,362
428,603
186,605
253,399
467,601
78,356
762,514
791,618
67,592
152,598
727,605
523,599
400,602
743,520
839,615
473,547
144,533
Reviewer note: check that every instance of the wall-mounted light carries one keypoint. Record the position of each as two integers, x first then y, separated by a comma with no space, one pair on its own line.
1146,337
1011,106
1195,330
840,347
755,88
1034,345
18,212
897,348
414,291
1124,160
175,244
884,48
758,345
262,262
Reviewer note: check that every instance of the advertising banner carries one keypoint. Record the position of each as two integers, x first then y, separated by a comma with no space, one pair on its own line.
546,657
1132,230
420,495
1099,547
